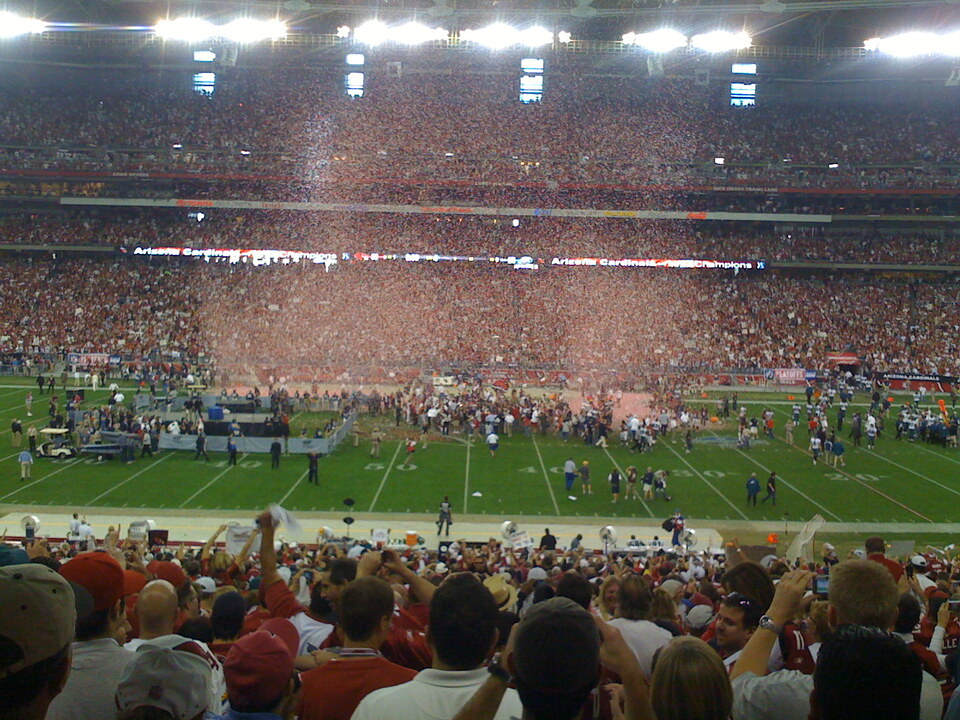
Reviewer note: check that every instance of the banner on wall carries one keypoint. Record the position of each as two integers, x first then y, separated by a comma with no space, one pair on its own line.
914,381
789,376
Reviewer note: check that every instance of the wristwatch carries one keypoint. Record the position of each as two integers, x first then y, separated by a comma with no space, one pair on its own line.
497,670
767,624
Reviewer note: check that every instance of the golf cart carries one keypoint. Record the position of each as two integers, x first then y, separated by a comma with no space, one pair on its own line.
55,443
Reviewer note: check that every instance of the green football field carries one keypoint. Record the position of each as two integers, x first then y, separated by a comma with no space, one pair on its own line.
899,482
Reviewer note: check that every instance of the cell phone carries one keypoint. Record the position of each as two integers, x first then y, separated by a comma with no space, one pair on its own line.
821,585
953,606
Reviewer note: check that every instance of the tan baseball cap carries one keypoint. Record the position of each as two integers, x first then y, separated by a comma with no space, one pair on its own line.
38,615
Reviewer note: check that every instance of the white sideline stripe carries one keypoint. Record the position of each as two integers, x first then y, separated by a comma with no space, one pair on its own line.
466,480
124,482
385,475
709,484
216,477
300,480
785,482
546,477
31,484
623,476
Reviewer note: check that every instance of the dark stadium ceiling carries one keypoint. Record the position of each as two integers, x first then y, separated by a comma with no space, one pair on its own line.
825,23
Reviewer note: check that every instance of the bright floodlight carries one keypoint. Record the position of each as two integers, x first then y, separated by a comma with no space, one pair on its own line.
245,30
721,41
914,44
185,28
950,44
414,33
658,41
501,35
564,37
372,32
343,31
13,25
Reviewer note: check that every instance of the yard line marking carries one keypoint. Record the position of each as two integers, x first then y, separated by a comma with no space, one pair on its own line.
300,480
785,482
546,477
124,482
909,470
859,481
933,452
16,454
216,477
31,484
385,475
709,484
624,477
466,480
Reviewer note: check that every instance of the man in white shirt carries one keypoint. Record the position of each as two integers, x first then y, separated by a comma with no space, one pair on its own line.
98,661
493,442
73,534
643,637
461,635
862,592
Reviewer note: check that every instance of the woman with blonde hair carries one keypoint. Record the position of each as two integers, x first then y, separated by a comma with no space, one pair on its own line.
690,682
607,602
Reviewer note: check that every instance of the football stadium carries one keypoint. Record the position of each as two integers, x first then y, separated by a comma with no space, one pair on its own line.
537,317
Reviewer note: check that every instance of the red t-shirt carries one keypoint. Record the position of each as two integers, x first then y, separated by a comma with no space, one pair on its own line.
894,567
333,691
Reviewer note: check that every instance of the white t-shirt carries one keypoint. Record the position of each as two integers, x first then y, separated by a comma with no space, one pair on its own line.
493,439
644,638
433,695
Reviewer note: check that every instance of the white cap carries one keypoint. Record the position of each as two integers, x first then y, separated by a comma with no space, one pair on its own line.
537,573
207,584
441,568
170,680
918,561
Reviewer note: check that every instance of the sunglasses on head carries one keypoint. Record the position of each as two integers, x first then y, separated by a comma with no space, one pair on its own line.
743,600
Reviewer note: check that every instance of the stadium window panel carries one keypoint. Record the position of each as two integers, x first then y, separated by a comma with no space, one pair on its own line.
744,69
355,59
532,65
204,82
204,56
354,82
531,88
743,94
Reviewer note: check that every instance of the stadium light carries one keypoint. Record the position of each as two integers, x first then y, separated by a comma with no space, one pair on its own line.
564,37
248,30
915,44
372,32
658,41
721,41
343,31
187,29
13,25
414,33
500,35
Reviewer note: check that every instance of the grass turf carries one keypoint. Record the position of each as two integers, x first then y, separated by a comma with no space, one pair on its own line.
900,482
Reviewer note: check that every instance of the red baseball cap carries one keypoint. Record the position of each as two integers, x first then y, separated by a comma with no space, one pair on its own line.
97,581
166,570
286,631
133,582
257,669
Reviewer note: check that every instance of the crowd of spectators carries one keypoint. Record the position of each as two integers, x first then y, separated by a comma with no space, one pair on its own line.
472,129
470,631
396,315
